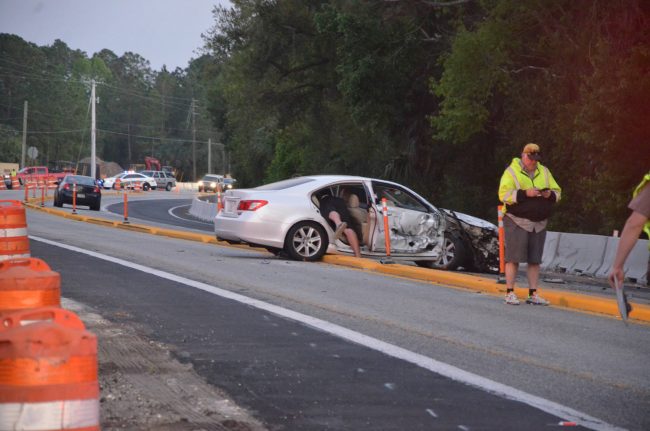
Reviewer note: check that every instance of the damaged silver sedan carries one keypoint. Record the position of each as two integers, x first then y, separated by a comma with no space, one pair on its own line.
285,217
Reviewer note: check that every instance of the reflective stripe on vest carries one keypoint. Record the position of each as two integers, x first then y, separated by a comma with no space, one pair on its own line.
53,415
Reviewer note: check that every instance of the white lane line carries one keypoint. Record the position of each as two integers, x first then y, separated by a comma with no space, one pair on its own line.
171,213
432,413
454,373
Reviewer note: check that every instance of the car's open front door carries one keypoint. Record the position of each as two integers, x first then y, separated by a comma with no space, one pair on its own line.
412,227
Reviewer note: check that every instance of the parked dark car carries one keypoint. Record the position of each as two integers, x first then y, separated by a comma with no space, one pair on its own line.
87,190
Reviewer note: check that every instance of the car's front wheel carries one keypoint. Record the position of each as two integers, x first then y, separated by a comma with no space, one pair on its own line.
168,187
146,187
452,256
306,241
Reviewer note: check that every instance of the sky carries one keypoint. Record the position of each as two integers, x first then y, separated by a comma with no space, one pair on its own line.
165,32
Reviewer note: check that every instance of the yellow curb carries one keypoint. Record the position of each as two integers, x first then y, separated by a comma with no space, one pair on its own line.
568,300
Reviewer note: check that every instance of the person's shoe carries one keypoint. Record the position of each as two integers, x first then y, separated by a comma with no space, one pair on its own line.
511,299
338,233
535,299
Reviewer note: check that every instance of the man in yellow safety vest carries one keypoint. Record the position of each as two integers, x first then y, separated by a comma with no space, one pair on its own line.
529,193
637,221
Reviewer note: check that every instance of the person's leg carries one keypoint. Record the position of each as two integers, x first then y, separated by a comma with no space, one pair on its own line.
341,226
515,245
511,274
535,252
533,276
335,217
351,235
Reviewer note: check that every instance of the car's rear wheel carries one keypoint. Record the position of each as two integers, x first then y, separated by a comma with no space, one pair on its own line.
452,256
57,202
95,206
306,241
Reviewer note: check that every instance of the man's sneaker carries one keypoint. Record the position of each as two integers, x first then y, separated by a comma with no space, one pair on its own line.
340,229
511,299
535,299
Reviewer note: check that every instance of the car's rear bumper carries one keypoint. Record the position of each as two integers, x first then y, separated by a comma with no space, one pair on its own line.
246,229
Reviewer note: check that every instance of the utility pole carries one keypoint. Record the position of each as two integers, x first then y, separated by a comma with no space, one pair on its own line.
209,155
22,157
93,133
223,159
193,140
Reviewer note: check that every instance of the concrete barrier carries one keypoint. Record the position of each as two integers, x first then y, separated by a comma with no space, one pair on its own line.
203,210
580,253
592,255
550,248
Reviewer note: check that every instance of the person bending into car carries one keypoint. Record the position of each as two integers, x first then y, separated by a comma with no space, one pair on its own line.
336,211
529,192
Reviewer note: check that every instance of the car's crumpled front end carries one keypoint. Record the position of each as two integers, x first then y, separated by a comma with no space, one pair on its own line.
483,237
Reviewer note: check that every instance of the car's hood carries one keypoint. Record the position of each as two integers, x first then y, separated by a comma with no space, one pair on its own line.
471,220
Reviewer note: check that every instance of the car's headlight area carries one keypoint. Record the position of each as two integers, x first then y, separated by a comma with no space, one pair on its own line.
213,184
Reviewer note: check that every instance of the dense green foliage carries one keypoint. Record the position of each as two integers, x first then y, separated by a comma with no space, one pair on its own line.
438,95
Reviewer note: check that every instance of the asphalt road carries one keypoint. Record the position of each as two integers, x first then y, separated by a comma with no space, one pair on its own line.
588,363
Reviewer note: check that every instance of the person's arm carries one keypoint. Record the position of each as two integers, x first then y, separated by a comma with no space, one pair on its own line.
630,235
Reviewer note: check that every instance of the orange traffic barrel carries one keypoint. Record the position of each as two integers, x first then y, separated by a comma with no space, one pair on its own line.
28,283
48,372
13,230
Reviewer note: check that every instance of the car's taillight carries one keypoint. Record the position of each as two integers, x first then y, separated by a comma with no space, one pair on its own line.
96,189
251,205
66,186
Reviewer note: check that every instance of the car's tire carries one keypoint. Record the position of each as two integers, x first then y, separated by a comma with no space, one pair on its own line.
146,187
453,255
57,202
168,187
96,206
306,241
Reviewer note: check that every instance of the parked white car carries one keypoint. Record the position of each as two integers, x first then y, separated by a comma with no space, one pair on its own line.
109,183
285,216
130,180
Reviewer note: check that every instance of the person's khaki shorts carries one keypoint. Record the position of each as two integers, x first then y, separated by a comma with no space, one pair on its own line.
523,246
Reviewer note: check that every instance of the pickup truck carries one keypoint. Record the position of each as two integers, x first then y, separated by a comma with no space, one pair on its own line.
39,174
163,179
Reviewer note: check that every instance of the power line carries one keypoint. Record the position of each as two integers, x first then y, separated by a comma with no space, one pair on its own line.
43,132
150,137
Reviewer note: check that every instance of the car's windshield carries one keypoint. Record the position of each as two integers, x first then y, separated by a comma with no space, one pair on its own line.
211,178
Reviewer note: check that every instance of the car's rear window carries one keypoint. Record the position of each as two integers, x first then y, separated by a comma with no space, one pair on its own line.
285,184
85,181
